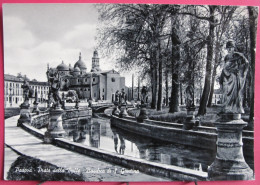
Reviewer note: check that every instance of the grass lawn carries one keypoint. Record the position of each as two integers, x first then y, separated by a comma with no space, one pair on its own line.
14,111
11,111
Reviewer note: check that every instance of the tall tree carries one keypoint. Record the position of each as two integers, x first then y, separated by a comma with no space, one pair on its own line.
210,41
252,29
174,102
226,13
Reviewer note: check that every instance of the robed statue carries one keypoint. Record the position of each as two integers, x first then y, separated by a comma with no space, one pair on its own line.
122,96
232,80
189,96
144,95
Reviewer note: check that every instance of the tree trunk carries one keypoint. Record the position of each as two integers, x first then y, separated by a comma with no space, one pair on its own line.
159,60
252,30
206,89
154,85
214,73
167,89
174,103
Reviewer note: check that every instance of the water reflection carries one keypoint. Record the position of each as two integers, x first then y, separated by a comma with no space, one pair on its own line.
98,133
94,135
116,140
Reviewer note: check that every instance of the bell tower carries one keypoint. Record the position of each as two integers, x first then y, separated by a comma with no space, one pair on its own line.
95,62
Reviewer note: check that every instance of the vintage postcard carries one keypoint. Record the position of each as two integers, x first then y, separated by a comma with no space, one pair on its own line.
129,92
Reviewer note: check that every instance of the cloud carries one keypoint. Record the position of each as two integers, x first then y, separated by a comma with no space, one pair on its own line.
37,34
81,36
16,33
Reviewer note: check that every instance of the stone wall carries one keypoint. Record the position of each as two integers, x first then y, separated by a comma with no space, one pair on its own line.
40,121
68,117
202,137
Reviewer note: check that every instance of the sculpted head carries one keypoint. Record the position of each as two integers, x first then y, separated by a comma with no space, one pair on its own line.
230,46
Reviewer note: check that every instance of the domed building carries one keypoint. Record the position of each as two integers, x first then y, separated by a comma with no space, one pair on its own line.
81,65
63,69
96,84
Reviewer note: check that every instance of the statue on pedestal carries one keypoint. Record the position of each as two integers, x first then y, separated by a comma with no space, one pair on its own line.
229,163
25,115
232,80
55,127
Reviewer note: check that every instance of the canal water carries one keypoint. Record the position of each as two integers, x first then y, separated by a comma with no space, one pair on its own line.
98,133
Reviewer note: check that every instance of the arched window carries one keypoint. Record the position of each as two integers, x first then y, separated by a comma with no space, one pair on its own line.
113,79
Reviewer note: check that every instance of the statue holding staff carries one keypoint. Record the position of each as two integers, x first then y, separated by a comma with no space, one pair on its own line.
232,80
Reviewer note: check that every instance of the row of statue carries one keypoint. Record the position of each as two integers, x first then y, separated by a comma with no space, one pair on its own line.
232,80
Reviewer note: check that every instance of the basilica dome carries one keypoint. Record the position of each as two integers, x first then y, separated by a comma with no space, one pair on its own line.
76,69
62,67
80,64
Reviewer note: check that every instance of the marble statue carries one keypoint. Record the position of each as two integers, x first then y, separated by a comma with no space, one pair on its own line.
26,90
144,96
189,96
123,95
53,79
117,96
232,80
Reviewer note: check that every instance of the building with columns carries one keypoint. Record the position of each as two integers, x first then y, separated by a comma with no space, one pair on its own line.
96,84
13,90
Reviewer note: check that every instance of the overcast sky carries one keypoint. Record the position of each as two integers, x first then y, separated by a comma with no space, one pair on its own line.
37,34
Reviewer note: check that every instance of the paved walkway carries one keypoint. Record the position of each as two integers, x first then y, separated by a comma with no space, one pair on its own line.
23,142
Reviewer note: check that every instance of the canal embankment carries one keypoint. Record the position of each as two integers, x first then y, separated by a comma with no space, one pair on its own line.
27,144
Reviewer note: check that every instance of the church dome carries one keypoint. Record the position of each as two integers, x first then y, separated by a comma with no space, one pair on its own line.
62,67
76,69
80,64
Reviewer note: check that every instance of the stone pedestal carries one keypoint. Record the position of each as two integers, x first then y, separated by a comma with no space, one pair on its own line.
230,163
143,114
190,119
123,112
25,115
35,108
55,128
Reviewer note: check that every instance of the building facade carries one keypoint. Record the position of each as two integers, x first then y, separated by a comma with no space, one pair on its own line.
13,91
96,84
